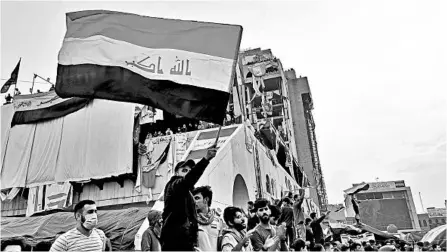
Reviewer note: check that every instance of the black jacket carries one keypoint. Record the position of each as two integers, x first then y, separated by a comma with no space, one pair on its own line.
180,227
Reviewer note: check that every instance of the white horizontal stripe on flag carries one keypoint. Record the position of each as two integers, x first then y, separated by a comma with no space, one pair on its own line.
179,66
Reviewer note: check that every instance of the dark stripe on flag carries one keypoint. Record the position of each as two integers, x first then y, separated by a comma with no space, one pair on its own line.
49,113
120,84
212,134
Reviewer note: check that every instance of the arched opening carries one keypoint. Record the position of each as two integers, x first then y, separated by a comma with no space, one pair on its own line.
240,192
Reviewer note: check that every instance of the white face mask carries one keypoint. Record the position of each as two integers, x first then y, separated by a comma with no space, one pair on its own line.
91,221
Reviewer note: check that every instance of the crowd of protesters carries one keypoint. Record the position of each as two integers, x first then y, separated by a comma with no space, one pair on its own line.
189,223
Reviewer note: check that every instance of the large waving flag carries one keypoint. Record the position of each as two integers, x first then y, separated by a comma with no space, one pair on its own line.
182,67
44,106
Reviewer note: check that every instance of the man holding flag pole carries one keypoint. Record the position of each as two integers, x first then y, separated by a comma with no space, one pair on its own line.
182,67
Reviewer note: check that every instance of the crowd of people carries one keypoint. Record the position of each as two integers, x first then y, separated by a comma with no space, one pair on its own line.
189,223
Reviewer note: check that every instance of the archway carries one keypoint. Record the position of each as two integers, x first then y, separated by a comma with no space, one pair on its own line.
240,192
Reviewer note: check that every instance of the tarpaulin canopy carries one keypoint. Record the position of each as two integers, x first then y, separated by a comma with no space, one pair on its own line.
436,235
120,226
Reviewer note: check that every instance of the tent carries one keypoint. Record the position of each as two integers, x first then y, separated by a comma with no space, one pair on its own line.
120,226
436,235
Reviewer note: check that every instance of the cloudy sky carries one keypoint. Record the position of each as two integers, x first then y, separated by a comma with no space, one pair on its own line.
376,71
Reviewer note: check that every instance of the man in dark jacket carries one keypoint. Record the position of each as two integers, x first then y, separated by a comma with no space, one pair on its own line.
180,226
316,227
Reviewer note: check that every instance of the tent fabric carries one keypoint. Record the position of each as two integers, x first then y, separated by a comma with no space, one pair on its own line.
7,112
91,143
120,226
436,235
97,142
17,156
46,145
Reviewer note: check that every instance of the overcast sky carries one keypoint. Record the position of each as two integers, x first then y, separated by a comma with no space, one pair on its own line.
376,71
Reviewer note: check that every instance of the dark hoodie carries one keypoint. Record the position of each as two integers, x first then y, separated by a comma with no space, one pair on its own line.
180,227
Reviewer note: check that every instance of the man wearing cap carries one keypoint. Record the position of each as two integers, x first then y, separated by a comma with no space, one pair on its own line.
150,239
180,226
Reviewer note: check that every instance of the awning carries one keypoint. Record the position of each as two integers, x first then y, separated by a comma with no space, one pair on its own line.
120,226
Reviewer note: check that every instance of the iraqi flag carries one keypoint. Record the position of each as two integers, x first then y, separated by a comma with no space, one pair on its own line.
183,67
41,107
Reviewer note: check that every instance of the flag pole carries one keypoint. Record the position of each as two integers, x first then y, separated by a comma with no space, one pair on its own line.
32,86
15,85
217,136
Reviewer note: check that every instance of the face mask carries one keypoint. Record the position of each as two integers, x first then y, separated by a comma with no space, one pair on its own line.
91,220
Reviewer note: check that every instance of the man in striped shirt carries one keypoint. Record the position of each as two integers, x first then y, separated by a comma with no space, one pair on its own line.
85,236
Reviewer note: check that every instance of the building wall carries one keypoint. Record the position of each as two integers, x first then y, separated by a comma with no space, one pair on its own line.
384,203
297,87
424,222
336,216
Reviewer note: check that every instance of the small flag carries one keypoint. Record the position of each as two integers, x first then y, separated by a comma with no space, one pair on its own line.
44,106
185,68
12,80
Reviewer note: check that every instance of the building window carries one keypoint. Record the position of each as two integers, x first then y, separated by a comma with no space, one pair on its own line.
272,184
436,221
443,220
425,223
267,183
430,222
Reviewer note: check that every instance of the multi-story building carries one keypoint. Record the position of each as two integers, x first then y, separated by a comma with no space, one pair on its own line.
277,98
386,203
434,217
301,106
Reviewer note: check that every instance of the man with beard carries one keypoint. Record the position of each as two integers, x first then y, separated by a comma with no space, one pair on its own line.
85,236
210,223
235,238
252,218
180,226
151,237
265,236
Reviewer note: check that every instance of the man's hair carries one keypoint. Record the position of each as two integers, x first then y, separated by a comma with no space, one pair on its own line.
318,247
344,247
78,207
372,242
18,242
308,220
250,203
313,215
420,244
205,191
369,248
295,196
260,203
327,244
299,244
275,212
363,243
230,213
287,201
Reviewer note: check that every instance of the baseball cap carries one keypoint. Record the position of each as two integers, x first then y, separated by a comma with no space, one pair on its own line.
181,164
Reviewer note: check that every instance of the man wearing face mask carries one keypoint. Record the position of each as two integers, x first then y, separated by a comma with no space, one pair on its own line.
180,225
85,236
151,237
